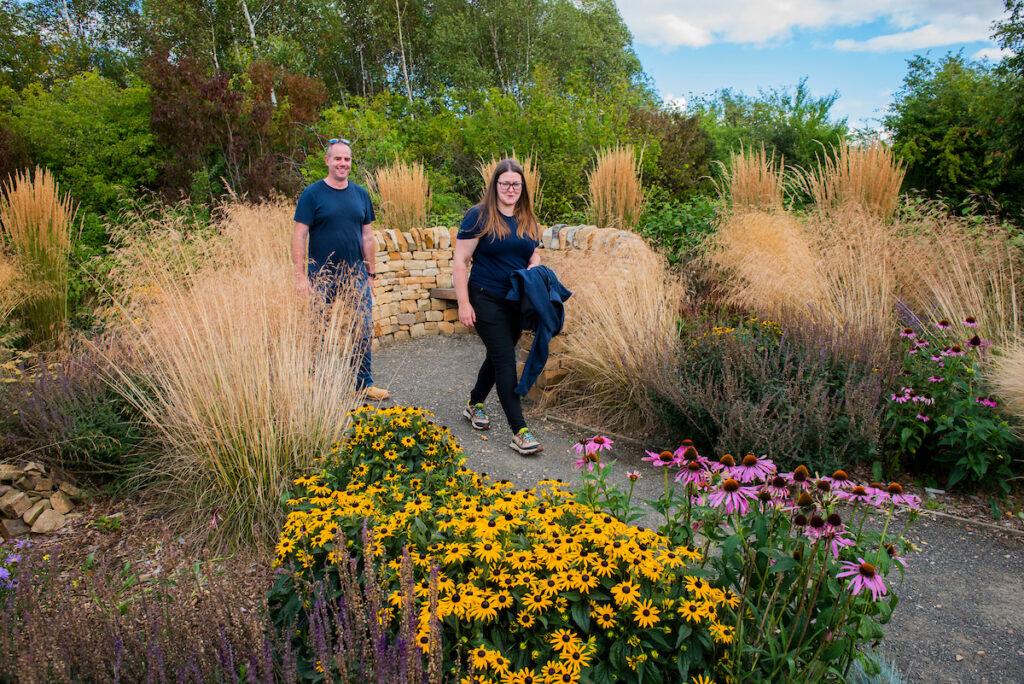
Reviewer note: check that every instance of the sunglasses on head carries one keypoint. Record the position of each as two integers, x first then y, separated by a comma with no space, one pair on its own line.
343,141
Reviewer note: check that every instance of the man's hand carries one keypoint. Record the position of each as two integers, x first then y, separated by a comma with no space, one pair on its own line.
467,316
302,284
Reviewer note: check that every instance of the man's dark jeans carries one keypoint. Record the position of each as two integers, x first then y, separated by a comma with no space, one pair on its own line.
328,287
499,325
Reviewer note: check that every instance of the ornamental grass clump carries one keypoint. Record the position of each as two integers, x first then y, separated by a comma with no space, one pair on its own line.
616,191
241,379
403,195
36,221
511,585
813,581
753,181
869,176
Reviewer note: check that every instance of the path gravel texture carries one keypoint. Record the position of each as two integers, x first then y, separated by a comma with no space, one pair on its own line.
961,615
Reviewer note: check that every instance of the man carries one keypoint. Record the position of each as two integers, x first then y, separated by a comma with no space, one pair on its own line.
335,216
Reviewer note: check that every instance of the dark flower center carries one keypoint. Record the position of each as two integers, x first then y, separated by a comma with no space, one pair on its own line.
894,488
727,460
804,500
750,460
824,486
778,481
764,495
800,520
840,475
859,490
731,485
834,520
665,456
867,569
817,522
693,466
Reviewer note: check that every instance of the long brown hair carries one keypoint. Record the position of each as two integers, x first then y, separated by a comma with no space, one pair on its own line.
494,224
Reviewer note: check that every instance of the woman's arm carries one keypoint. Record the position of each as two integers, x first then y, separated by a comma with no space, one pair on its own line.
534,259
460,279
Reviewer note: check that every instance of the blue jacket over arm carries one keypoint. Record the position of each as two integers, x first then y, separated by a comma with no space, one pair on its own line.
542,300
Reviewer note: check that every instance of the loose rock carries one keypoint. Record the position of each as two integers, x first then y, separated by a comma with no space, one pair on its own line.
10,529
14,504
61,502
49,521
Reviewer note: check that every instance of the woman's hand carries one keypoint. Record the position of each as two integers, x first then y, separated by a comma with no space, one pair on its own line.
467,316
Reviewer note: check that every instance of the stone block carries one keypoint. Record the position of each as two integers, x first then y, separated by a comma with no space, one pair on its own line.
551,376
438,304
43,484
417,330
459,328
423,305
406,318
434,315
49,521
10,472
11,528
451,314
32,514
14,504
71,490
421,255
61,502
445,328
401,335
408,306
444,280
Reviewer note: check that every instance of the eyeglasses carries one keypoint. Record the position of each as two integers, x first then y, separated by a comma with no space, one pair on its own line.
343,141
506,185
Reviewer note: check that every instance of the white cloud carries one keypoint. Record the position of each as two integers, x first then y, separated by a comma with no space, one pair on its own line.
674,102
993,53
696,23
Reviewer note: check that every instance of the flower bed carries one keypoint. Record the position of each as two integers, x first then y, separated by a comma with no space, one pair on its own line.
753,573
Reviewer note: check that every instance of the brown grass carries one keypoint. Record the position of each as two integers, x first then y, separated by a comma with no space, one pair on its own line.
753,180
36,220
530,170
245,381
621,321
868,176
1006,375
404,195
616,192
10,292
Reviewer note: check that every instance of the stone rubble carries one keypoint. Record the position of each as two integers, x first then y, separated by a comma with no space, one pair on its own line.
33,500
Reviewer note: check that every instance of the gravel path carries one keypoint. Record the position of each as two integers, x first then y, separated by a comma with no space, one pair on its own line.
961,616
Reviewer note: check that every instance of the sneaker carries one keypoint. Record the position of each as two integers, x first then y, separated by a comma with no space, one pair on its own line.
376,393
477,415
525,443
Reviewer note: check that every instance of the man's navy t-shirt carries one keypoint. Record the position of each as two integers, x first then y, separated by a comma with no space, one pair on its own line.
335,219
494,260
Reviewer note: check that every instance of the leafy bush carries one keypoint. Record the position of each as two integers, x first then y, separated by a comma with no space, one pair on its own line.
942,418
66,414
680,147
92,134
748,387
678,229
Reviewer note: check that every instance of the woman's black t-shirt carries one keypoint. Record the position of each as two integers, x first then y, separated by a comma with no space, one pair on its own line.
494,260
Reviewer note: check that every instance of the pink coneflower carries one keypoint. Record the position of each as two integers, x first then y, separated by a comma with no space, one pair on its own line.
938,359
724,464
598,443
920,343
860,494
687,452
971,322
693,472
935,378
633,475
908,333
987,401
580,446
816,527
943,324
894,554
801,477
733,496
752,468
587,460
840,480
839,541
659,459
911,352
863,576
955,350
894,494
923,418
777,487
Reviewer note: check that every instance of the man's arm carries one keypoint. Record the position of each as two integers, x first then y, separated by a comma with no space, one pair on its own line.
370,250
300,256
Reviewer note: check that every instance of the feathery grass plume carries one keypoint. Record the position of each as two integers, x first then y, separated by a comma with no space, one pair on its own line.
1006,374
36,220
950,269
870,176
622,320
616,192
245,381
753,180
403,193
10,292
530,170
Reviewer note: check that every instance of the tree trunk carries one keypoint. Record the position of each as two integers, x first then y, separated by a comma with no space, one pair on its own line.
401,49
252,37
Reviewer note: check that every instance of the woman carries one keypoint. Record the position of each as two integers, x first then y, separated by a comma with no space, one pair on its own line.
498,236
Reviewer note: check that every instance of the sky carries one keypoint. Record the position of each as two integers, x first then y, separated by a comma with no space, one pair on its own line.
859,48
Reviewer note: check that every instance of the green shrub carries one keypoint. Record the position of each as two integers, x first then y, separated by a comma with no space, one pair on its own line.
92,134
678,229
749,388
